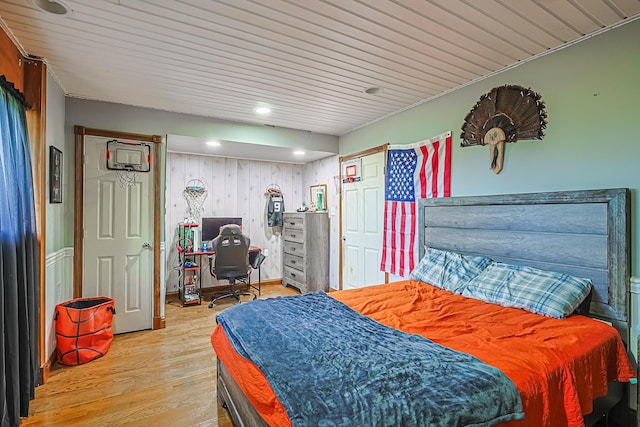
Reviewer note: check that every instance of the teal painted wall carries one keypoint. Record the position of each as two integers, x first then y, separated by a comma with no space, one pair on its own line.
592,94
59,231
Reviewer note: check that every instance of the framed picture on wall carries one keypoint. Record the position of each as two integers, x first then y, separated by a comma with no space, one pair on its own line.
318,197
55,175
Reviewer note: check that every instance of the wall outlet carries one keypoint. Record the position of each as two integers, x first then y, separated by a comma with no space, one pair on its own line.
265,252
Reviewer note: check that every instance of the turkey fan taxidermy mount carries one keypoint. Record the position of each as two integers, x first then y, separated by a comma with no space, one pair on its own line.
505,114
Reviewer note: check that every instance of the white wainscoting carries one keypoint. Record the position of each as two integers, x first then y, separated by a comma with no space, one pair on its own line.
635,307
635,327
59,288
163,287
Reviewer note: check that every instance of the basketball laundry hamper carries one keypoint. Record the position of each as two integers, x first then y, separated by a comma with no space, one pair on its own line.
83,329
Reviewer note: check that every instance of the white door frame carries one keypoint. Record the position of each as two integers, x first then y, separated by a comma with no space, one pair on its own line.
342,159
78,238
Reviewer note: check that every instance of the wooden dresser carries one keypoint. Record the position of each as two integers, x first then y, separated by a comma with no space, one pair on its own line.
305,260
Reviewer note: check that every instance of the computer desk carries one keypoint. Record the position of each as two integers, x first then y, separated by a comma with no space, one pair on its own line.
253,252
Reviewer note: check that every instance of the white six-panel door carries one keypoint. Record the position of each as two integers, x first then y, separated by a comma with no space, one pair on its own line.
118,258
362,221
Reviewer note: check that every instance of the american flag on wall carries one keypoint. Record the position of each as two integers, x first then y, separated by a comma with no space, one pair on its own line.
414,171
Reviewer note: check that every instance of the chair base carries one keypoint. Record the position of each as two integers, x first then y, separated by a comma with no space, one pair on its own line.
234,293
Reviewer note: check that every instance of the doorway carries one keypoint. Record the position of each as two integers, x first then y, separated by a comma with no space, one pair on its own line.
139,269
362,207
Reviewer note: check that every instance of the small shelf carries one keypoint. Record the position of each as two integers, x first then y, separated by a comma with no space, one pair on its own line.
189,278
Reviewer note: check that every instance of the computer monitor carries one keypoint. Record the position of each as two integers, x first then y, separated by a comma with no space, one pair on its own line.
211,226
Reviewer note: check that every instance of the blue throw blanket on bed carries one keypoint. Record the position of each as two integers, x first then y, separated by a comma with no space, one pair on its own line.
332,366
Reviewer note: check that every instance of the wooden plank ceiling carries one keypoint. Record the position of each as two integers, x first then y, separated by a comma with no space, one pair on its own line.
309,60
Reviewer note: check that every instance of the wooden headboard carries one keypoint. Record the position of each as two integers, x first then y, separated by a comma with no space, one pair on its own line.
583,233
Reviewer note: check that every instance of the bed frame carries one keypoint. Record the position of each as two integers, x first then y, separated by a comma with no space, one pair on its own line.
583,233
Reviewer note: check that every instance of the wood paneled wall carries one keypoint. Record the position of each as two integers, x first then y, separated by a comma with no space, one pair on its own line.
11,62
234,188
326,171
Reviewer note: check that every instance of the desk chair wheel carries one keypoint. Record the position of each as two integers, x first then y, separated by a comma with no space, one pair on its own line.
234,293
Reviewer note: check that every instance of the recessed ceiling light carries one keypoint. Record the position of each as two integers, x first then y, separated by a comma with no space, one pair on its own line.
299,153
55,7
372,90
263,110
213,143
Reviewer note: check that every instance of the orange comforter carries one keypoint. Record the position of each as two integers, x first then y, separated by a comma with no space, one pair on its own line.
559,366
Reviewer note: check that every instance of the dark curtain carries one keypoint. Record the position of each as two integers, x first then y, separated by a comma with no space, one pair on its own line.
19,361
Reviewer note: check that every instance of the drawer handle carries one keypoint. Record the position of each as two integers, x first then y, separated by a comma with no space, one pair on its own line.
293,274
293,261
293,235
292,223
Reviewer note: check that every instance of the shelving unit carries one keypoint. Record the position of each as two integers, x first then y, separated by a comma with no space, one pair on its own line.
189,271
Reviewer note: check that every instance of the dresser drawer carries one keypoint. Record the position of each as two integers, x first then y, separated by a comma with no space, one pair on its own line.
293,235
294,261
293,274
294,221
293,248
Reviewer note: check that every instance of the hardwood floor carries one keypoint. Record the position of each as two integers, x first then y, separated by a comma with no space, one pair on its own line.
148,378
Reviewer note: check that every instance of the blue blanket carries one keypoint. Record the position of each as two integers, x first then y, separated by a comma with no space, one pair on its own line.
332,366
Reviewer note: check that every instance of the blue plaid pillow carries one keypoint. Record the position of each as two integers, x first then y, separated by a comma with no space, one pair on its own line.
448,270
542,292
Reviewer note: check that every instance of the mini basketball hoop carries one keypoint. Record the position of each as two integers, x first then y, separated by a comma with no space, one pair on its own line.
351,171
126,178
195,194
128,159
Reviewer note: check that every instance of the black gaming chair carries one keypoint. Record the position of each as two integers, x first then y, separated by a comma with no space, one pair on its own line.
231,260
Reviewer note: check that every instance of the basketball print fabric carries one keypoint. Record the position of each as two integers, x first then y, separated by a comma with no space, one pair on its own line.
83,329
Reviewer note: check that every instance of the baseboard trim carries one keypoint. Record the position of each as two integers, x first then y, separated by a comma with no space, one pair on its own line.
214,289
271,282
45,370
159,323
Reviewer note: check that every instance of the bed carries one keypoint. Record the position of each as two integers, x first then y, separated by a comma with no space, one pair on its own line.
578,233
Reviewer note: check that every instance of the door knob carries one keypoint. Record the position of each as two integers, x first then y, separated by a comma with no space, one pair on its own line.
146,245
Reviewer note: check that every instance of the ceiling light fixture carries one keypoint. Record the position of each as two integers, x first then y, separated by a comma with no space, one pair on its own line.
299,153
263,110
372,90
213,143
55,7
